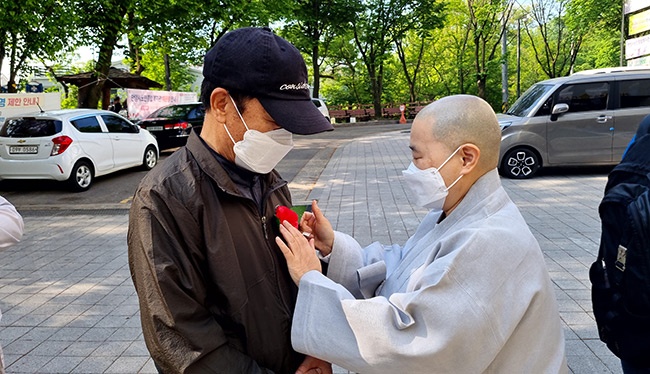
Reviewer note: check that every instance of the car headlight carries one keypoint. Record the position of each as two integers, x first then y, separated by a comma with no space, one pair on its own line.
505,125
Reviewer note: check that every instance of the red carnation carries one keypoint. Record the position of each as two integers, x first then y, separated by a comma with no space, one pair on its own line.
286,214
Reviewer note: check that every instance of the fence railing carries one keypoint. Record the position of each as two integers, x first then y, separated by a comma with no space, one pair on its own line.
366,112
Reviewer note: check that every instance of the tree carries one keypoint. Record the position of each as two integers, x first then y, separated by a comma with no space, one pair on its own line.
380,25
487,20
33,29
181,31
102,24
314,25
555,44
349,83
601,41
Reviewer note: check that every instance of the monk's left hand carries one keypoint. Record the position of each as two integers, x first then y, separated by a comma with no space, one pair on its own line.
313,365
299,253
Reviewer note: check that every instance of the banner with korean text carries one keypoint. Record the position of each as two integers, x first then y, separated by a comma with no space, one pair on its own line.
141,103
14,104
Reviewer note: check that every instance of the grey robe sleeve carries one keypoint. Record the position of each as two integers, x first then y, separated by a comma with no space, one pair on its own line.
360,270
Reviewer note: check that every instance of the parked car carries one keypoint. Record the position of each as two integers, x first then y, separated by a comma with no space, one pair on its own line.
587,118
73,145
171,125
320,104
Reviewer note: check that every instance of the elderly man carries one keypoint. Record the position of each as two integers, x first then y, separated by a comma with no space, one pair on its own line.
215,295
468,293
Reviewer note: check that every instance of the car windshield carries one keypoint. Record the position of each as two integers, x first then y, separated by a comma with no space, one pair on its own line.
174,111
30,127
525,103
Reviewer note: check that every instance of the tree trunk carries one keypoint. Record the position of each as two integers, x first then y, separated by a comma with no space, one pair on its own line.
168,79
376,90
91,96
316,70
481,86
135,47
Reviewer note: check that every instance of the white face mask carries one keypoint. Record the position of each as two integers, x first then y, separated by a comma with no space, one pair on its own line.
260,152
427,185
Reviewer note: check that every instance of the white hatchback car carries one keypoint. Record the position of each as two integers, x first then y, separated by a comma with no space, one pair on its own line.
73,145
320,104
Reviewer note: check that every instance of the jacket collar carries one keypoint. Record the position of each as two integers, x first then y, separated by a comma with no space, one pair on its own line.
208,163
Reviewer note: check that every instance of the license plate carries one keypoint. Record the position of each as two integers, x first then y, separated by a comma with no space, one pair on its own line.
23,149
155,128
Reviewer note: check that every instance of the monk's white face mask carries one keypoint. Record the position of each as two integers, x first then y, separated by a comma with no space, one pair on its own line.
427,186
260,152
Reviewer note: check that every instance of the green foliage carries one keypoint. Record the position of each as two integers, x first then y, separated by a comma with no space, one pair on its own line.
30,29
181,78
357,51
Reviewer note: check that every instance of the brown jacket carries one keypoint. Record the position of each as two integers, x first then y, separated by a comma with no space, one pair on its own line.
215,294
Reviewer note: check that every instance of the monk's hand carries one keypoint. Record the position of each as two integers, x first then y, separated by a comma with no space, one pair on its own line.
298,251
313,365
319,228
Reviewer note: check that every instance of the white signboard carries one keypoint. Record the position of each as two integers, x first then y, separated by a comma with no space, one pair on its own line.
140,103
637,47
634,5
14,104
641,61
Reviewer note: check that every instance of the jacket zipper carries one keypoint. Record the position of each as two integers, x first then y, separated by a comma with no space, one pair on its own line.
283,298
266,234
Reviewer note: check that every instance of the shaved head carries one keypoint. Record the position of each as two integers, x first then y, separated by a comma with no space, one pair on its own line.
459,119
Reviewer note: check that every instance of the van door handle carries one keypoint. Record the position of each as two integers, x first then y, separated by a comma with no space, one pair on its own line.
603,118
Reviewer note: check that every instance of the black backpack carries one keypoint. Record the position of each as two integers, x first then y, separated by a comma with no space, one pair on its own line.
620,277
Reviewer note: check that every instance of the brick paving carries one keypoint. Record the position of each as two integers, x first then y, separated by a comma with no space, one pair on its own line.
69,305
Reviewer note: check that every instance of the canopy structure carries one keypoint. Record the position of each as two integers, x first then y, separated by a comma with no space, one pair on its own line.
117,78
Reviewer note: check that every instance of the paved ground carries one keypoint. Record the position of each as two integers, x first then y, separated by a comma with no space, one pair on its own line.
69,305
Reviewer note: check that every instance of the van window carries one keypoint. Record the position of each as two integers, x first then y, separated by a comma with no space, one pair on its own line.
30,127
584,97
88,124
528,100
634,93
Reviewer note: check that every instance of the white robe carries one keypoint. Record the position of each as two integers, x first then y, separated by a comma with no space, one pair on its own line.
468,295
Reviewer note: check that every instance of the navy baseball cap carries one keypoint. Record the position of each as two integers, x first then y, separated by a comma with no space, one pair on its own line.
256,62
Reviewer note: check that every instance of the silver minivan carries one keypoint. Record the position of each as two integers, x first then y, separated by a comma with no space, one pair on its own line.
587,118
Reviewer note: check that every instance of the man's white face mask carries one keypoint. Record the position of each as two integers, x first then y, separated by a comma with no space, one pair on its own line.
427,186
260,152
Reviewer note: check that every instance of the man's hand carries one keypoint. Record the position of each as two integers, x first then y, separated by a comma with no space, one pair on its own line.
314,222
313,365
299,253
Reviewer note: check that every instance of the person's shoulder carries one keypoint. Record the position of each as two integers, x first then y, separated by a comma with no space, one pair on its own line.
176,169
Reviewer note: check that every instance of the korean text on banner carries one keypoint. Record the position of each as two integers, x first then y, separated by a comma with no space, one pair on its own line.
141,103
15,104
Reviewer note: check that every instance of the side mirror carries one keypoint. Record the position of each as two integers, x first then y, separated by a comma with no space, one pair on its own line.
559,109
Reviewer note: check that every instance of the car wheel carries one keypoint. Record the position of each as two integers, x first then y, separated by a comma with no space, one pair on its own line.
520,163
81,176
150,158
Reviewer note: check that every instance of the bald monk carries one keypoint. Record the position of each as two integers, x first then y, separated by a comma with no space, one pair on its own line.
468,293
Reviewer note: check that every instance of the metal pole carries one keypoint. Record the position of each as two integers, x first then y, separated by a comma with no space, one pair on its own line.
518,57
621,59
504,68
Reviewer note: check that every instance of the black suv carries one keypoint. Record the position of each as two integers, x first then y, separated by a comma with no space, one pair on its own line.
171,125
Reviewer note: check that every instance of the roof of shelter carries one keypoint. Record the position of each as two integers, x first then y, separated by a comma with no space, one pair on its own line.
116,78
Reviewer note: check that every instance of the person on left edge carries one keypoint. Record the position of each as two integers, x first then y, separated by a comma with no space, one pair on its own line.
11,231
215,294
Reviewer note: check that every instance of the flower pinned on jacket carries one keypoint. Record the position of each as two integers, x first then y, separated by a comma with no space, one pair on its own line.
284,213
